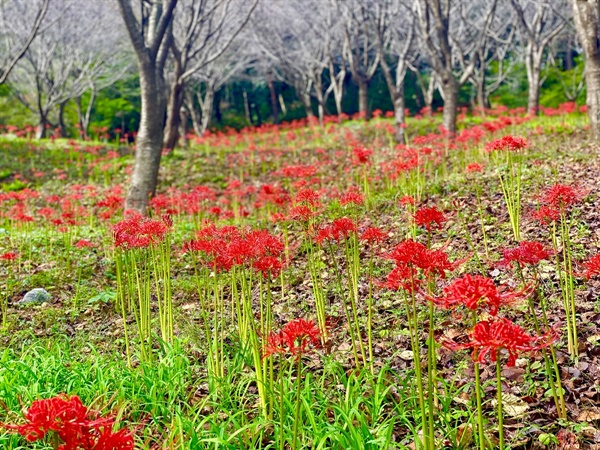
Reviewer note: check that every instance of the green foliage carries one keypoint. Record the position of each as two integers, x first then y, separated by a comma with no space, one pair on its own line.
118,106
12,112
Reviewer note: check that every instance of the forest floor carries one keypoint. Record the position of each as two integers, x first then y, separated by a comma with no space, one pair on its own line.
357,386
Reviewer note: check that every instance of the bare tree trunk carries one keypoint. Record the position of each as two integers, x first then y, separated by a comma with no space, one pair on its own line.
396,90
41,129
80,118
183,124
318,84
207,107
428,95
305,99
592,78
399,117
533,65
282,104
254,106
247,108
217,103
61,119
587,21
450,90
427,91
151,49
174,104
481,98
149,141
84,118
193,112
337,95
363,98
337,85
273,96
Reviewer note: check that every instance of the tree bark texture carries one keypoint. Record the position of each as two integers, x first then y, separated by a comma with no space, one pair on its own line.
149,141
273,97
151,46
587,21
533,65
450,89
174,104
363,98
207,107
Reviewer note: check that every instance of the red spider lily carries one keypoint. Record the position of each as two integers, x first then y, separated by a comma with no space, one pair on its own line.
488,338
561,196
546,215
268,266
76,426
509,143
120,440
474,167
426,217
353,196
138,232
308,197
592,267
294,339
402,277
226,247
339,229
528,252
407,200
373,234
84,243
475,292
415,254
362,155
8,256
301,213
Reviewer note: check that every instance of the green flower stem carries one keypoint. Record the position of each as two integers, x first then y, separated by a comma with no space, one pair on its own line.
480,424
414,340
297,410
499,392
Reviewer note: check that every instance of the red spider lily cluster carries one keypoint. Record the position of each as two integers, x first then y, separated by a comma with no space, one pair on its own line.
527,253
227,247
592,267
410,256
507,143
373,235
84,243
427,217
556,201
362,155
474,168
339,229
8,256
140,232
296,338
489,337
77,427
352,197
477,292
407,200
546,215
562,197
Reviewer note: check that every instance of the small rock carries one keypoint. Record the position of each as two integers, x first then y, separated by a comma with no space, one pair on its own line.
36,296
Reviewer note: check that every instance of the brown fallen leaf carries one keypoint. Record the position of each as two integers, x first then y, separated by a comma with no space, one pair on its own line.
588,415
